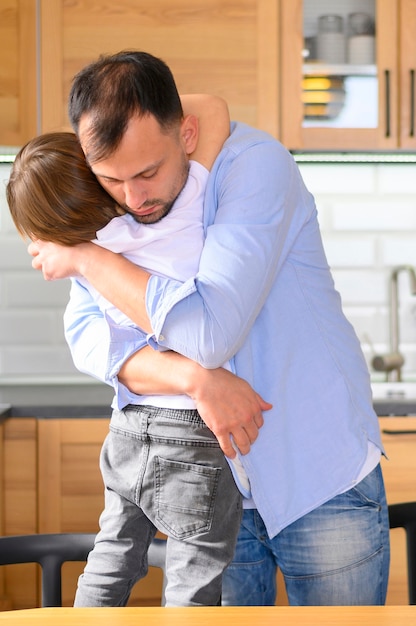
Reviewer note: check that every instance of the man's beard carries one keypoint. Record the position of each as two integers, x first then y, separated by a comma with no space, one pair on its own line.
156,216
164,206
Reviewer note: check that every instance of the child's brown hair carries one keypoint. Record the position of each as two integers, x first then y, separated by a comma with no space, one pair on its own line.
53,195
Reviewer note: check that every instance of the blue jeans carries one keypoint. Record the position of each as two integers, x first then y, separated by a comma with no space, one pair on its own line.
338,554
162,469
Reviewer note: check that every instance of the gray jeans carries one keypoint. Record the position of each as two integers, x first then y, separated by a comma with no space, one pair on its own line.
162,469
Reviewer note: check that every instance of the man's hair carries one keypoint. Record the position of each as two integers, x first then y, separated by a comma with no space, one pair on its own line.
53,195
117,87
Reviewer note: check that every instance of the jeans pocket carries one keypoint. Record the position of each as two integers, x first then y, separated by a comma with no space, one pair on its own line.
369,491
185,496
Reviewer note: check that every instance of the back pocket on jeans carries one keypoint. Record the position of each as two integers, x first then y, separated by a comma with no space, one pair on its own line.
185,496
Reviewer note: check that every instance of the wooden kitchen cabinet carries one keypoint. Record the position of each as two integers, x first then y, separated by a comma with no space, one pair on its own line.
20,584
71,492
223,47
394,75
51,484
248,51
18,71
400,480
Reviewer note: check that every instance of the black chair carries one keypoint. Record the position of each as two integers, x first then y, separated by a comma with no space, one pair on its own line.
52,550
403,515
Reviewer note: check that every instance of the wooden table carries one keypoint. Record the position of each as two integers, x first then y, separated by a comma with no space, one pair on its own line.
216,616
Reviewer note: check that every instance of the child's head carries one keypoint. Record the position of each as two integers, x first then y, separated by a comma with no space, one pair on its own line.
53,195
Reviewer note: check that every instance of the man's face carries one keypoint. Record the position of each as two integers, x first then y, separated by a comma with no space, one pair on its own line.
148,170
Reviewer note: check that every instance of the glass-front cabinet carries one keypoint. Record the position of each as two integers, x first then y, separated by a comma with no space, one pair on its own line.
347,78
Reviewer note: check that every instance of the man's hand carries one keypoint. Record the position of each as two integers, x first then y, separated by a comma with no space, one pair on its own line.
226,403
230,408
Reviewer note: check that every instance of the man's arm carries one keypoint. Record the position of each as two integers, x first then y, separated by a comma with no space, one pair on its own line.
209,317
226,403
120,355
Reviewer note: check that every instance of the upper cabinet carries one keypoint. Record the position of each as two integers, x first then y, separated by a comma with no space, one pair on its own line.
347,70
224,47
316,74
18,71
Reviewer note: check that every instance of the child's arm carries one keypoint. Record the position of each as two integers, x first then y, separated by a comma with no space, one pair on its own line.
214,125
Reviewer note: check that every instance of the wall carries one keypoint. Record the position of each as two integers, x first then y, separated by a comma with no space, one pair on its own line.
367,214
35,364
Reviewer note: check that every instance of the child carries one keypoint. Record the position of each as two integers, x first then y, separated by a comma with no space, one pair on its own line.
186,489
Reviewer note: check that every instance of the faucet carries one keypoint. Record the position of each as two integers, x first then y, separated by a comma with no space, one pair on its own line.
393,362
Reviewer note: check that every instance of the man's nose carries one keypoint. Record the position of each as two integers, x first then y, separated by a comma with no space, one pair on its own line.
134,194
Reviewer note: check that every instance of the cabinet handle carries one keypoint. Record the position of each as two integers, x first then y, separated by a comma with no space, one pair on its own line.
412,104
387,84
387,431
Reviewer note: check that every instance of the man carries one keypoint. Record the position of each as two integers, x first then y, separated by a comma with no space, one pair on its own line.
264,299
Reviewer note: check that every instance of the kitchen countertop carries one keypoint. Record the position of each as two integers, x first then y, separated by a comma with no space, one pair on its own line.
55,411
385,407
399,408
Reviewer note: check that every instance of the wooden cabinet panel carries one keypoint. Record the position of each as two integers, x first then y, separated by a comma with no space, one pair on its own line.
71,493
19,467
18,71
407,52
52,483
70,486
400,480
216,46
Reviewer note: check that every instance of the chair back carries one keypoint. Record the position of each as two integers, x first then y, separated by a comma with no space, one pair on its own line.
52,550
403,515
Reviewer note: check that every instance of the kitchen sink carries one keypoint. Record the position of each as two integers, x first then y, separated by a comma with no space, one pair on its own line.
397,390
394,398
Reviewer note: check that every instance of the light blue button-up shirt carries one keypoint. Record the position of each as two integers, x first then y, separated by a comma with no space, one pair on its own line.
264,299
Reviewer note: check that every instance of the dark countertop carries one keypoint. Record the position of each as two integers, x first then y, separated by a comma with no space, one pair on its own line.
385,407
399,408
55,411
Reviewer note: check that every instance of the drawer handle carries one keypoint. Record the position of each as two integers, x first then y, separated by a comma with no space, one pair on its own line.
386,431
412,104
387,82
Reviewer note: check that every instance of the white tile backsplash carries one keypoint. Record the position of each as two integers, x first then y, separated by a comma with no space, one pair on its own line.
334,178
396,180
342,254
373,214
367,214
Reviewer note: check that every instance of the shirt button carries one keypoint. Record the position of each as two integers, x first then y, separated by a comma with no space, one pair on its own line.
161,338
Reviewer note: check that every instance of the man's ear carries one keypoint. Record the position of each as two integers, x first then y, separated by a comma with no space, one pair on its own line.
189,133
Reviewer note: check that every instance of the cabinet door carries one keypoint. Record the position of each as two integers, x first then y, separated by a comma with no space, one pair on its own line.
18,101
20,583
408,74
212,46
70,489
71,493
399,471
350,102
